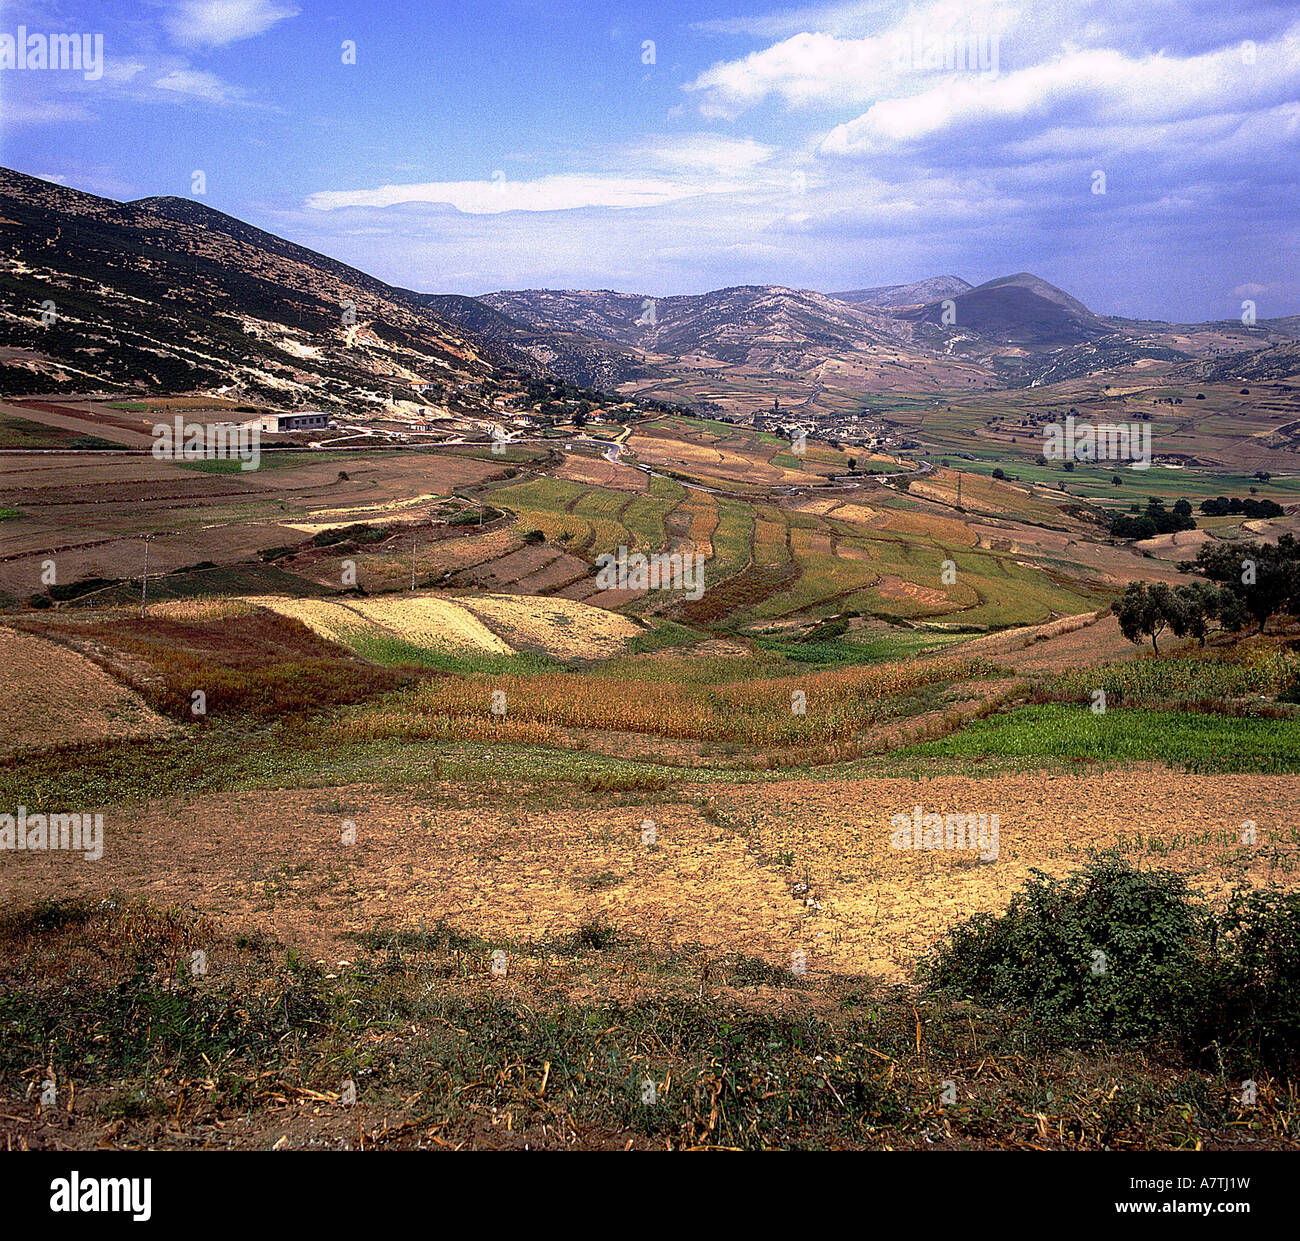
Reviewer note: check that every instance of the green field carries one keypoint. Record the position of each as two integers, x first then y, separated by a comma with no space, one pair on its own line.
1194,742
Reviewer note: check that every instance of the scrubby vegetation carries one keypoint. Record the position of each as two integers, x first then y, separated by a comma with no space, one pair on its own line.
1213,679
1112,952
1154,519
682,1050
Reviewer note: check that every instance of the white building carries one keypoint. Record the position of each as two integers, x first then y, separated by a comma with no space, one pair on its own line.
303,420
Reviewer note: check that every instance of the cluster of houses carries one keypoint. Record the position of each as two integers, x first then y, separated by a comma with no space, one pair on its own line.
855,429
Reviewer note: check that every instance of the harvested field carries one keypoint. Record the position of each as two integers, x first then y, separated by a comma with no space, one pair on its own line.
597,472
50,695
881,907
90,511
495,624
725,879
562,628
423,620
891,587
1058,646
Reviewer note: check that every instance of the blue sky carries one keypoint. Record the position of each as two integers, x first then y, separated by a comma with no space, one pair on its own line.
668,148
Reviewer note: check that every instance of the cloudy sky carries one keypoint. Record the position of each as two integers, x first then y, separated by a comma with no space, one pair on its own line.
1141,156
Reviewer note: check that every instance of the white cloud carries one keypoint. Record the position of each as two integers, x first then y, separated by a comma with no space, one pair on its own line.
834,18
1089,88
17,111
214,23
703,152
815,68
551,193
120,72
200,85
805,69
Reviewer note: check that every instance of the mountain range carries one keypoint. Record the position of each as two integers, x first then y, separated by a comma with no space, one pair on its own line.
169,295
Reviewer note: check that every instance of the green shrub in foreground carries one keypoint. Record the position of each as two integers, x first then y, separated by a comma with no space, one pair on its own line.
1112,952
1109,949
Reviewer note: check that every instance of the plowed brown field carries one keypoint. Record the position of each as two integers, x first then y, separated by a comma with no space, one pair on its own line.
720,878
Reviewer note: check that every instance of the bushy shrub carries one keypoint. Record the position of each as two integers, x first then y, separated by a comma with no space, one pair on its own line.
1255,1002
74,590
276,553
1112,952
361,532
471,516
1109,950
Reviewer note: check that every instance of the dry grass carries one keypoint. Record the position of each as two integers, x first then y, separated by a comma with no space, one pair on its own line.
559,627
723,874
50,695
492,624
200,609
809,709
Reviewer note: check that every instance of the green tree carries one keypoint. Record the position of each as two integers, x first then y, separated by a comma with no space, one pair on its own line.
1146,610
1264,577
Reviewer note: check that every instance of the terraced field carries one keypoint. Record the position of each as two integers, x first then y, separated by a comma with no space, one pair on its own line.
401,627
652,796
592,520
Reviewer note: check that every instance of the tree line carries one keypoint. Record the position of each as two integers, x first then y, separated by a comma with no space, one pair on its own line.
1243,583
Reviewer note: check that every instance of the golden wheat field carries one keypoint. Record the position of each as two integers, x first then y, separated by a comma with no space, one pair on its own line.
563,628
495,624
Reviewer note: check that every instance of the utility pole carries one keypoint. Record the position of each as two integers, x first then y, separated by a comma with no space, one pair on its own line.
412,562
144,581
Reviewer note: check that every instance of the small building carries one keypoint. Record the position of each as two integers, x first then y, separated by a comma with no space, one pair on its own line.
303,420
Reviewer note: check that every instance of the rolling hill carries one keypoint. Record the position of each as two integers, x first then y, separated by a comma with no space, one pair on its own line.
168,295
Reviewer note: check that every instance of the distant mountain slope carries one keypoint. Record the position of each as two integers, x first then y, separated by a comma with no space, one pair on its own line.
1020,310
735,349
169,295
1040,288
588,361
740,324
892,296
1281,361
